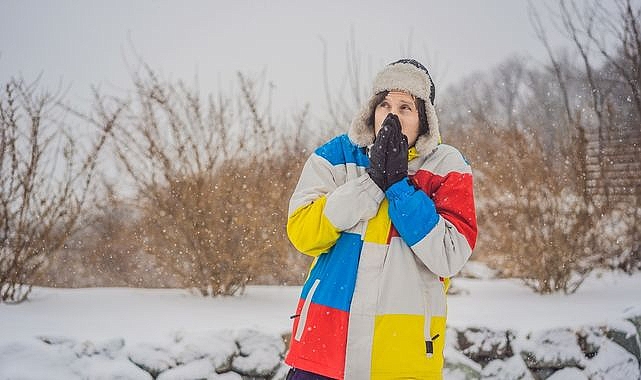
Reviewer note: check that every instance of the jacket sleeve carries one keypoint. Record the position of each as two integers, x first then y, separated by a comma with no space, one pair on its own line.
440,228
320,208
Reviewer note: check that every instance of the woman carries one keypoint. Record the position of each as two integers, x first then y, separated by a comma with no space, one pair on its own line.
388,213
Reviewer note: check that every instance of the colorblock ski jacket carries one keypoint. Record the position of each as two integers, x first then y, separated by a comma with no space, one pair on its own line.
373,305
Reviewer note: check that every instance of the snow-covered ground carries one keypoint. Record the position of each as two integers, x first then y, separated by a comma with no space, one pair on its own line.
156,316
146,315
509,304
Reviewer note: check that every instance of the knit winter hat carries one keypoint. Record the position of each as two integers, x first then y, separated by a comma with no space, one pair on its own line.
406,75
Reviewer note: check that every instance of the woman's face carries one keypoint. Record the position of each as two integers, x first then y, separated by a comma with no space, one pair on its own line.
402,105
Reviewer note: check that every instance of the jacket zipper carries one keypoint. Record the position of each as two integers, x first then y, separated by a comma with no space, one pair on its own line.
303,314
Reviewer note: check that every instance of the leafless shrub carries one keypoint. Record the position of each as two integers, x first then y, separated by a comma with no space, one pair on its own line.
555,151
211,183
219,232
531,225
106,251
46,180
535,216
607,42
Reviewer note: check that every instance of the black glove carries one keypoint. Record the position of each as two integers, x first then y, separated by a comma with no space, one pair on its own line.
386,152
396,164
378,158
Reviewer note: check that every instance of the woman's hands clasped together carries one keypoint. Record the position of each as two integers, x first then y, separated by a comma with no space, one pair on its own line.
388,155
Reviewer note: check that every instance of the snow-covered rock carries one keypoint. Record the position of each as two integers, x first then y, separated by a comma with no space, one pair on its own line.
549,350
569,373
58,340
612,362
260,354
459,366
281,372
35,360
204,355
513,368
484,345
219,346
225,376
197,369
102,367
633,315
621,332
151,358
455,373
66,320
111,348
66,360
589,338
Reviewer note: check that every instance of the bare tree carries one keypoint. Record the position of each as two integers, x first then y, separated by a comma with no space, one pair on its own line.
607,40
549,153
343,102
491,99
45,182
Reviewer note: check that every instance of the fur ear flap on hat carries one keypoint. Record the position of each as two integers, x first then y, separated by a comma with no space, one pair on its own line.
405,75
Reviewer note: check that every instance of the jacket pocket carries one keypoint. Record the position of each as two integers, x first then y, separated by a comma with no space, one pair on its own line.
304,311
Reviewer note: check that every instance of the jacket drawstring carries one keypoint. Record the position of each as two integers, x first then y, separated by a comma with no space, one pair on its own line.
429,345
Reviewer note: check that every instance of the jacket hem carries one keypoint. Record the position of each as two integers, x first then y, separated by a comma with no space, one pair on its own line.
395,375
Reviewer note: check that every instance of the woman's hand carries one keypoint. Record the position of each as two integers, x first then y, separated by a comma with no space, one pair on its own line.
378,153
396,162
388,155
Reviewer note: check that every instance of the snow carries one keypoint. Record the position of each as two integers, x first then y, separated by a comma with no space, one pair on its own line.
82,333
479,342
632,311
511,369
258,354
152,359
198,369
570,373
478,270
460,366
507,304
555,348
612,362
55,362
217,345
144,315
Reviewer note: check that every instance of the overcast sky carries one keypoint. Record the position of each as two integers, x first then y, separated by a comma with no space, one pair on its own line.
79,43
